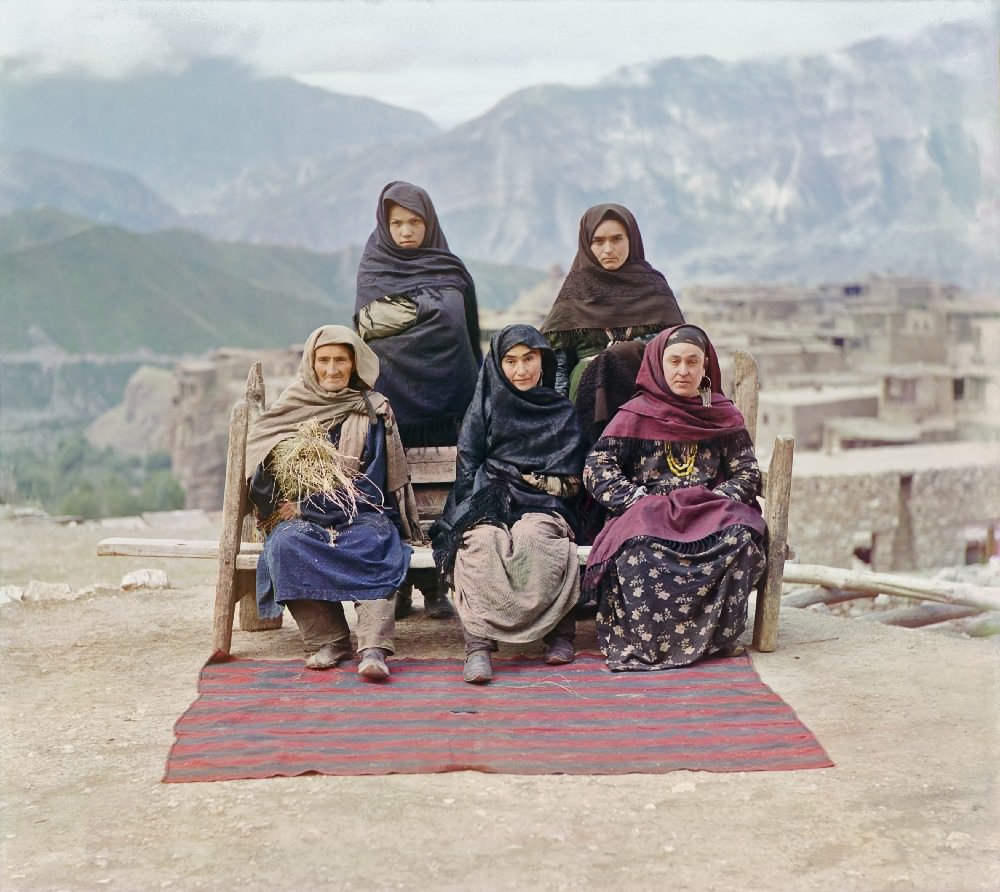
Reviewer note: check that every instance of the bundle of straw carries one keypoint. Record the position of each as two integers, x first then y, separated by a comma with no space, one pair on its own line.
308,464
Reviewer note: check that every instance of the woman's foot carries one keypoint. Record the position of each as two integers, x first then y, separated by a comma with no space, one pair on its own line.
327,657
404,601
372,665
478,667
732,650
437,605
559,651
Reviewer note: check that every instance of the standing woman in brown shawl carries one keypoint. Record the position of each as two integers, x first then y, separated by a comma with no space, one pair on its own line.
331,492
673,567
612,294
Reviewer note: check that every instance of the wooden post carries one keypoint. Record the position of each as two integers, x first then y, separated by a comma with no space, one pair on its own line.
746,389
777,497
246,580
232,529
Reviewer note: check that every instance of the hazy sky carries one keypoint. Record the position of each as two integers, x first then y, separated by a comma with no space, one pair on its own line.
451,59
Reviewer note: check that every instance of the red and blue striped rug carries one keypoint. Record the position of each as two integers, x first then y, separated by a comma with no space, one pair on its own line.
258,718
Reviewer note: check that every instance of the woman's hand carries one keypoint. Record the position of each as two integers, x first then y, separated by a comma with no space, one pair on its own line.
289,510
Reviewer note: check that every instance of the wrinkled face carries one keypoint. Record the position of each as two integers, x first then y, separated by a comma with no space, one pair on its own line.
684,367
406,227
610,244
333,365
522,366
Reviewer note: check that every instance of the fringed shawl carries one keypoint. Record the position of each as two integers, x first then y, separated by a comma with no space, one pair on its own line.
353,407
635,295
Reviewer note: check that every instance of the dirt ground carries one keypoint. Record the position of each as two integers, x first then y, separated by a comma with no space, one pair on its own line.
92,687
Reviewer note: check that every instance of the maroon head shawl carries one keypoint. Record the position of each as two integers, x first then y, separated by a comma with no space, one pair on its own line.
657,413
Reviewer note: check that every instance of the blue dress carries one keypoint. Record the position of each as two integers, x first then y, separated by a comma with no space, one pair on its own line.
324,555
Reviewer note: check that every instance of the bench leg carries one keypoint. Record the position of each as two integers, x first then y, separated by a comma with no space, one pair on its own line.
246,592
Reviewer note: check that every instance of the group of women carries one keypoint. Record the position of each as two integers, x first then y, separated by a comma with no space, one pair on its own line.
608,425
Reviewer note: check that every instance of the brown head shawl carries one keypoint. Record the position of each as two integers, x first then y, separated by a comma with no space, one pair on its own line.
635,295
353,407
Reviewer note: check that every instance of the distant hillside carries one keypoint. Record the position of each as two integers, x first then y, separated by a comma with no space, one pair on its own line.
92,289
189,133
34,180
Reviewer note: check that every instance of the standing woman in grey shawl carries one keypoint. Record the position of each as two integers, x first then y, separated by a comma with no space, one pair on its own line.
416,308
505,540
331,493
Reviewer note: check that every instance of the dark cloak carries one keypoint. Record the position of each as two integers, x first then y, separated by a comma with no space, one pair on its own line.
506,433
635,295
427,371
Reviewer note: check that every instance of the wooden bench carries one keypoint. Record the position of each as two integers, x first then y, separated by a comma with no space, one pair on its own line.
432,472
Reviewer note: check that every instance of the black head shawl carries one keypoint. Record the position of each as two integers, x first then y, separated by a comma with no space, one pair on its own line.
635,295
385,268
511,432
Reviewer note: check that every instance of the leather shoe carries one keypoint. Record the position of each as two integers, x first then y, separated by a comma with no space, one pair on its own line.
404,601
478,667
437,605
372,665
327,657
559,652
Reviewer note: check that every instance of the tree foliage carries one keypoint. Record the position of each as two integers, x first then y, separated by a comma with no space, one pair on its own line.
81,480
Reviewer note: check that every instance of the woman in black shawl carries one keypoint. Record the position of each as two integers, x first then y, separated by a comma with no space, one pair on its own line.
416,308
506,540
611,294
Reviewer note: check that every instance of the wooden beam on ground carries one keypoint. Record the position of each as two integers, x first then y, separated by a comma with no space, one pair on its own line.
921,615
982,597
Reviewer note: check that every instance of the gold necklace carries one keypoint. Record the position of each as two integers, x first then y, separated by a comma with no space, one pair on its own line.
684,466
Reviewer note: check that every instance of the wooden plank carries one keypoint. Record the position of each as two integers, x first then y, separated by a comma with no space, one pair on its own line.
168,548
746,389
245,584
229,542
779,490
982,597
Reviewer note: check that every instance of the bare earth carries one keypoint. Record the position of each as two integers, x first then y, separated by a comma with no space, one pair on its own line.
92,687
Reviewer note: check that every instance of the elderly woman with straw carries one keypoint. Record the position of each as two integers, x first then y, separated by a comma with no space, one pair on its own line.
331,493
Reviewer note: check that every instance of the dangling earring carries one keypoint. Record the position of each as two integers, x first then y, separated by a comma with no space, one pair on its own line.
705,390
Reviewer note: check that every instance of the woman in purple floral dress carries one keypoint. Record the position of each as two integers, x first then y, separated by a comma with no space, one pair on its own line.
683,546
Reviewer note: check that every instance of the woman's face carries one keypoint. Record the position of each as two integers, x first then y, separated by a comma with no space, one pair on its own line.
334,365
610,244
684,367
406,227
522,366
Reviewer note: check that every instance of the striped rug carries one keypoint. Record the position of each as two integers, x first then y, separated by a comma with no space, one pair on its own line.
257,719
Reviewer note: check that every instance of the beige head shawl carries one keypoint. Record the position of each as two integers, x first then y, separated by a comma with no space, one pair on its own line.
305,399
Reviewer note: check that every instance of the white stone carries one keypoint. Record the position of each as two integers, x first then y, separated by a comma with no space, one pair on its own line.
47,591
145,579
10,593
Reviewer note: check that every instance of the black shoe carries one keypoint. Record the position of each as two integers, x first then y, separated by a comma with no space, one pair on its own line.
559,651
404,601
437,605
478,667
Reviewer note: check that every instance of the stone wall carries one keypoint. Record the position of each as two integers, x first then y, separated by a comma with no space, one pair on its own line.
916,517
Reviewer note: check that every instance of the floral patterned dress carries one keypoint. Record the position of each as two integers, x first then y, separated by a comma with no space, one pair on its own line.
665,602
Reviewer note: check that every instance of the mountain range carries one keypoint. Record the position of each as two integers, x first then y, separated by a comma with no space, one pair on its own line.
94,289
882,157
